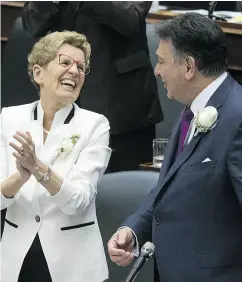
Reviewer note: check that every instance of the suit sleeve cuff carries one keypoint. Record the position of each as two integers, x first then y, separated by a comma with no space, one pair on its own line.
135,250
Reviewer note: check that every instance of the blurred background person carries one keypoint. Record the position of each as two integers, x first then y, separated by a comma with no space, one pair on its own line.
121,84
53,156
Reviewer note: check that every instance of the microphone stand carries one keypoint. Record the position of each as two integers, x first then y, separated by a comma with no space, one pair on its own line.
147,251
135,270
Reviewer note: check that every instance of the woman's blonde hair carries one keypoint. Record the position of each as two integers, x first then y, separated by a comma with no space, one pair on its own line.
45,50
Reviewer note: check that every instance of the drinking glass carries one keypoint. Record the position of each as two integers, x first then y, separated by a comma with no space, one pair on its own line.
159,146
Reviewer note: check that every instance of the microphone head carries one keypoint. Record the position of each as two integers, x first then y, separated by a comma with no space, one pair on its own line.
148,248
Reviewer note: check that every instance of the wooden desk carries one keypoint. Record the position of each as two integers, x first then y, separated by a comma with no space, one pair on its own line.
233,33
9,11
19,4
149,166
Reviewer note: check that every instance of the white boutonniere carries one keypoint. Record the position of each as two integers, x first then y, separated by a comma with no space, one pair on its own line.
205,120
66,147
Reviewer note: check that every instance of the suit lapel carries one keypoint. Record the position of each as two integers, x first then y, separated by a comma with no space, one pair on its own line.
171,148
54,141
29,191
61,128
218,98
36,132
185,154
62,165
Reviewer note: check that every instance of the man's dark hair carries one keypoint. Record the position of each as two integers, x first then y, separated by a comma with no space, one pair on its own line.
195,35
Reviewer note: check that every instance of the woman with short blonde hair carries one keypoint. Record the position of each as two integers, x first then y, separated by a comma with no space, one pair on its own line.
53,157
46,48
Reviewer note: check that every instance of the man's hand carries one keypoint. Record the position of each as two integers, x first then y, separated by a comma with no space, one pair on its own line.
120,247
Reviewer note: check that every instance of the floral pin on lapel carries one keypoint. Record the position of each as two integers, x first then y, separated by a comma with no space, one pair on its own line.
66,147
206,120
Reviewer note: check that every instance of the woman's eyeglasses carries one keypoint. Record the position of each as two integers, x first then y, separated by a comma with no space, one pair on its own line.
67,62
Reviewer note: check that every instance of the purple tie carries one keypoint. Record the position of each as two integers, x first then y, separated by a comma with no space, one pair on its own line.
185,123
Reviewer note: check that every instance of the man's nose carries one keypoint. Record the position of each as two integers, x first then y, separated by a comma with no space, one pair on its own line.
156,71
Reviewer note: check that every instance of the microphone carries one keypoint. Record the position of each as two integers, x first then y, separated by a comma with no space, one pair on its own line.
147,251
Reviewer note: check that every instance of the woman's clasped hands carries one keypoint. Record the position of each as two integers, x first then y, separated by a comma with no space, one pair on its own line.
24,153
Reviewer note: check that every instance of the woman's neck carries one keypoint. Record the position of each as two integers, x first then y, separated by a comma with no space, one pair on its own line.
50,110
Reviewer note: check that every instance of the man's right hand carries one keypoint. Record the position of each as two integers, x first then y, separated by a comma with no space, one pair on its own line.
120,247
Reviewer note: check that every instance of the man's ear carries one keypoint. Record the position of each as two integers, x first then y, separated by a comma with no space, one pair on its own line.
190,67
38,74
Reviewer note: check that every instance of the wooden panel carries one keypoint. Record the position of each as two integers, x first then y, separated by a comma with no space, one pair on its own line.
18,4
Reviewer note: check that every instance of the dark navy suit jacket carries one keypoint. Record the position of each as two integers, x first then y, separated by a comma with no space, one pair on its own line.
194,214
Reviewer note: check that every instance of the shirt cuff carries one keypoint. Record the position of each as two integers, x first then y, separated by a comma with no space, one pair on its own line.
135,250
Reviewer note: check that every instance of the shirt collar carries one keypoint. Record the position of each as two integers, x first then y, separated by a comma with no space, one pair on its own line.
60,115
201,100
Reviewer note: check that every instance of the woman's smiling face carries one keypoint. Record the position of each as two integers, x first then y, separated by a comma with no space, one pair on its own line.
63,77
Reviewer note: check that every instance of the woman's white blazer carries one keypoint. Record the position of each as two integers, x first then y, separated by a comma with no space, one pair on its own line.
66,222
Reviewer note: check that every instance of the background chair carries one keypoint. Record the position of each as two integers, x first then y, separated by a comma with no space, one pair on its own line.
119,195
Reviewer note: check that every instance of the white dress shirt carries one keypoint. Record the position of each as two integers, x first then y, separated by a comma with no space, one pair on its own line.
202,99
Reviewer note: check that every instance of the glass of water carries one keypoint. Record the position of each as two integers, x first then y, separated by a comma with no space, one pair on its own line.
159,146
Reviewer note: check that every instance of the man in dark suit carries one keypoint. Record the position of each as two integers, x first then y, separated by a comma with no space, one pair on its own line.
194,215
121,84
